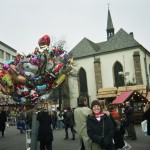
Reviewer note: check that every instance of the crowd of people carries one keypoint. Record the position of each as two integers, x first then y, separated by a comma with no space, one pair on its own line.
101,127
98,126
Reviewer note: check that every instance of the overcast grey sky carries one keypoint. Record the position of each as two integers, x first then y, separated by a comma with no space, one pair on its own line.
23,22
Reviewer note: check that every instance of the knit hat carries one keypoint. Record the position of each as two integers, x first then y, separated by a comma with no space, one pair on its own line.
95,102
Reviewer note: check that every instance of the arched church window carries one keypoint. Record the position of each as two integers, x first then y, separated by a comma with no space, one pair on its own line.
82,82
119,79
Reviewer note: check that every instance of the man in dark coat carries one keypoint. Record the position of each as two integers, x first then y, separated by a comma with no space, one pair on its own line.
3,120
45,134
129,112
69,122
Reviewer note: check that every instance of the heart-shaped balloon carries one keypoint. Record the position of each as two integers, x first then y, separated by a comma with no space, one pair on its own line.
45,40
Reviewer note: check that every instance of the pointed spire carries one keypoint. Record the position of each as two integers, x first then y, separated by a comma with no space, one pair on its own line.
110,27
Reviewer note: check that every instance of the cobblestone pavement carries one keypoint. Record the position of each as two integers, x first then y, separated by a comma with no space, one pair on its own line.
13,140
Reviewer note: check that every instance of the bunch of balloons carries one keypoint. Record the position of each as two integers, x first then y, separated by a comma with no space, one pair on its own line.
34,77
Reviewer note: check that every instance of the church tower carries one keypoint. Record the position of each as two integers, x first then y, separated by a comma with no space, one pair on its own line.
110,28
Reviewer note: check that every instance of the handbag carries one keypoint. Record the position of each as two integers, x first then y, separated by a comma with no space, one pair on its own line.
106,140
144,126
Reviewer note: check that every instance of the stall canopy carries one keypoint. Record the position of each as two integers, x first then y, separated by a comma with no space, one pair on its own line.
122,97
112,92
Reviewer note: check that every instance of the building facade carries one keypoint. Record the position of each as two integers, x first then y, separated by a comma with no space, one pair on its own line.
6,53
118,61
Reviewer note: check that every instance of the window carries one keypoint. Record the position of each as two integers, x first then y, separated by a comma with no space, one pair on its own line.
13,57
7,56
1,54
119,80
83,81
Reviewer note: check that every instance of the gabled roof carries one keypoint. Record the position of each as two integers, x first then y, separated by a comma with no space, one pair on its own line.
132,95
121,40
122,97
83,48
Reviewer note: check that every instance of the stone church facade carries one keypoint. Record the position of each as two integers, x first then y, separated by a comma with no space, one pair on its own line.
118,61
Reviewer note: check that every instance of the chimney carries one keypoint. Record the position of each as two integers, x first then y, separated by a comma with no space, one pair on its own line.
131,33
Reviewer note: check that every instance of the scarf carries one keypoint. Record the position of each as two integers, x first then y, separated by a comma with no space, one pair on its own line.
98,116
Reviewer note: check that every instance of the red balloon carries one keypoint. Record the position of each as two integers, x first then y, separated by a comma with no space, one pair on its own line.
45,40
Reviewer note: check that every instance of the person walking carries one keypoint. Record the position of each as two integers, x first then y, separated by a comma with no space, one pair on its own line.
100,128
29,115
3,120
80,117
129,112
60,119
45,133
54,118
114,113
69,123
146,116
21,121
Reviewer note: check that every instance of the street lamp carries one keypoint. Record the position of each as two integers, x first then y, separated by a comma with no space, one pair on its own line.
124,75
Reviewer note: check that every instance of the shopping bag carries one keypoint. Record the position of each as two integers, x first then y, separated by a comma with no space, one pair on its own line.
144,126
7,124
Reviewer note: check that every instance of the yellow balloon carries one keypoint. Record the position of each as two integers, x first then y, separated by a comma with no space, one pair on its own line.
59,80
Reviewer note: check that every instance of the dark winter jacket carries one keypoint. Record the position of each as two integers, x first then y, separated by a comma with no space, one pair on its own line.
3,119
69,118
96,128
44,132
129,111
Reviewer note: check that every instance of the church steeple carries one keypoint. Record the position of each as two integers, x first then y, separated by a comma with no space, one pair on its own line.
110,27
